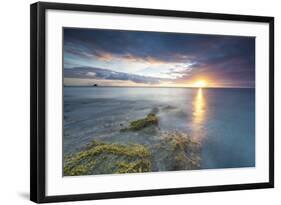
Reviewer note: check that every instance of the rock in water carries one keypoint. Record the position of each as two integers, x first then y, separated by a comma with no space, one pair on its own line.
108,158
176,151
150,120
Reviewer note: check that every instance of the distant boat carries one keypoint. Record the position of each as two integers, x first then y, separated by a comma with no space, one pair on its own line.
95,85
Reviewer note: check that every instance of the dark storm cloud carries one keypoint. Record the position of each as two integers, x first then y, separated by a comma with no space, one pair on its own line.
228,58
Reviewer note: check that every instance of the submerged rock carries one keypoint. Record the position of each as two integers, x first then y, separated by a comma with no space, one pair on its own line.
150,120
108,158
176,151
155,110
144,149
169,107
168,151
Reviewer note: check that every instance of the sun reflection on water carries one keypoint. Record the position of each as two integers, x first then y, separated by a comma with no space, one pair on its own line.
199,109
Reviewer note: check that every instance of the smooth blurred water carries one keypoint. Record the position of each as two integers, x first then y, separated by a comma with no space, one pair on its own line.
222,120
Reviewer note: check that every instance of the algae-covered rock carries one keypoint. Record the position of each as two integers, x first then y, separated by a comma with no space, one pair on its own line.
108,158
150,120
176,151
169,151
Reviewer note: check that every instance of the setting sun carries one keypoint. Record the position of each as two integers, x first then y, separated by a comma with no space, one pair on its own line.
200,84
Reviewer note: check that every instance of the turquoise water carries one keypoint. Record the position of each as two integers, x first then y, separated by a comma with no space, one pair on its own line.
221,120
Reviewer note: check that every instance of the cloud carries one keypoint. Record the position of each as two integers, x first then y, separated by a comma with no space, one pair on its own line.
99,73
182,56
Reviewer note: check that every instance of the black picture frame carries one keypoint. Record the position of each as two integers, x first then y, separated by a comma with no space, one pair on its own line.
38,101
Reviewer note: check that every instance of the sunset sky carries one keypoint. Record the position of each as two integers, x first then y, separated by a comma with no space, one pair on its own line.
134,58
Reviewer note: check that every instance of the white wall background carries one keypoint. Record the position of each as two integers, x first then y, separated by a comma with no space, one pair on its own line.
14,100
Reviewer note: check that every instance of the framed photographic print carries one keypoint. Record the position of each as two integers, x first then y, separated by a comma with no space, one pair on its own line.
129,102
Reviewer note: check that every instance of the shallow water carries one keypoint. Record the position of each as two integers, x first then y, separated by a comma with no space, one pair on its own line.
222,120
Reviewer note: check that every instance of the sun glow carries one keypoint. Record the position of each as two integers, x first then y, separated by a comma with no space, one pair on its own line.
200,84
199,112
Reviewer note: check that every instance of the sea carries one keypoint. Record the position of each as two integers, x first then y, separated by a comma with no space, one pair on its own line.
222,120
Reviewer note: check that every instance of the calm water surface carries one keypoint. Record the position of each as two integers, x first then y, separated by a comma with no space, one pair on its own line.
222,120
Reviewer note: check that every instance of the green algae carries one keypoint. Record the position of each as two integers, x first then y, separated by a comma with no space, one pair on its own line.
171,151
108,158
142,165
176,151
165,151
150,120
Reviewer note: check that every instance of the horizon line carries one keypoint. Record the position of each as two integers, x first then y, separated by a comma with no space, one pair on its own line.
116,86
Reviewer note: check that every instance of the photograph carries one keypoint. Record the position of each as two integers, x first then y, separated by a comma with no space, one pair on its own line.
149,101
134,102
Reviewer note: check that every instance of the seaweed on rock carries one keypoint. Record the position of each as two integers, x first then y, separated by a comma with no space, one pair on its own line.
150,120
166,151
170,151
107,158
176,151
